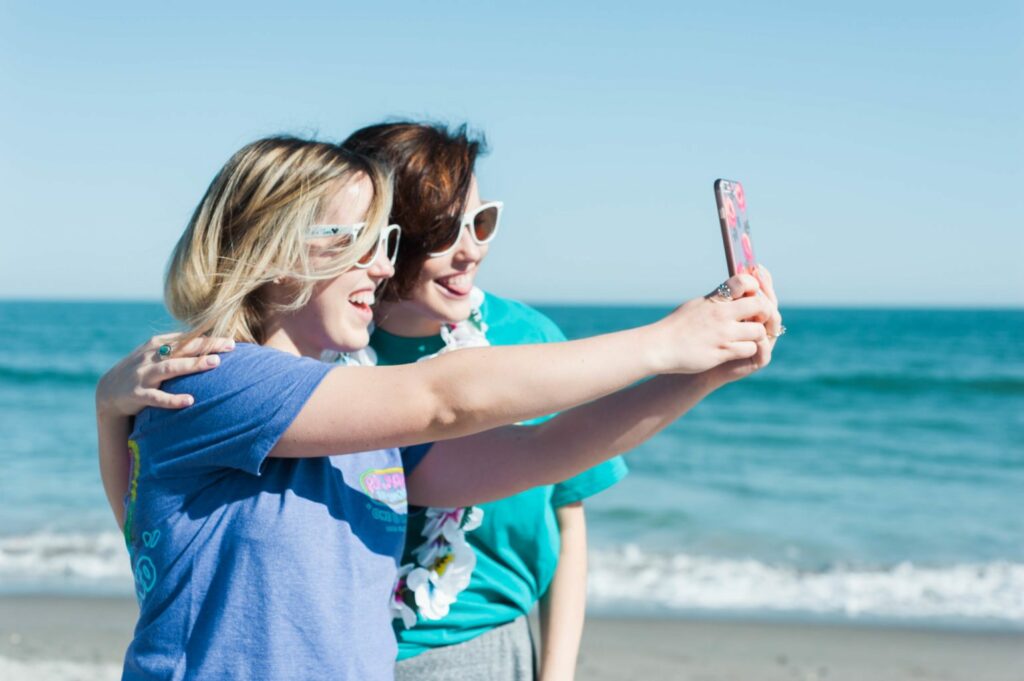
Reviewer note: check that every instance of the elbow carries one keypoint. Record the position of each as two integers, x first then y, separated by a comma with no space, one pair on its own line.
443,418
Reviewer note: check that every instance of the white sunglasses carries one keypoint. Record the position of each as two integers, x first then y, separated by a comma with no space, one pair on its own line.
389,238
482,224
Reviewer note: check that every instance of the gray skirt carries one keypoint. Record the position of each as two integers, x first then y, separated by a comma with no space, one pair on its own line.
502,654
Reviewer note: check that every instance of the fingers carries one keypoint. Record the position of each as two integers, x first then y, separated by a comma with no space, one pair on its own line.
774,325
757,308
157,373
202,345
774,322
734,287
763,357
158,398
767,284
741,349
750,331
758,351
743,285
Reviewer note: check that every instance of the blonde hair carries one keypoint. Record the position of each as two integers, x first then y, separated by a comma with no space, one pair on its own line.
251,229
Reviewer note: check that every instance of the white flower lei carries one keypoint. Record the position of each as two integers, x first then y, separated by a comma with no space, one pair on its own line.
444,561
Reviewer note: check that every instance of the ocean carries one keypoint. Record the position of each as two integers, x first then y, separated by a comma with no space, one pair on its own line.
874,472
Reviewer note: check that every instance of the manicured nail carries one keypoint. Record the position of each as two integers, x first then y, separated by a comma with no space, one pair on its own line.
212,360
230,345
188,400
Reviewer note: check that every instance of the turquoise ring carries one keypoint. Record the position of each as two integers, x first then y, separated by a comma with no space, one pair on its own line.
165,351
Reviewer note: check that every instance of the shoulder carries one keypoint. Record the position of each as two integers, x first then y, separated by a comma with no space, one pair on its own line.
245,366
517,322
589,482
246,376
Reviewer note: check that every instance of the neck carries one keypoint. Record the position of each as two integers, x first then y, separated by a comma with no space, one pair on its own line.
279,338
398,319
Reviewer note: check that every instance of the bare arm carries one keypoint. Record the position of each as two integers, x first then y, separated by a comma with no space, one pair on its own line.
363,408
115,460
563,607
504,461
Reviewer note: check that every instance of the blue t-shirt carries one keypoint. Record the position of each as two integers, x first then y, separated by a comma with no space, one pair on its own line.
249,567
518,542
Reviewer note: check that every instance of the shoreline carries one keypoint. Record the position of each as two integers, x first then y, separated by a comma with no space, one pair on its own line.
83,637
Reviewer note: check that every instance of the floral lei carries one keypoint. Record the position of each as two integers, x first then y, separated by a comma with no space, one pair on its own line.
445,560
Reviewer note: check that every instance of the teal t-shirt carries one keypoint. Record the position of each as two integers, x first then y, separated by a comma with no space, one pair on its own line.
518,542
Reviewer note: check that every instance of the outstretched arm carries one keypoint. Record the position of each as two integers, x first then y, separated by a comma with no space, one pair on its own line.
504,461
358,409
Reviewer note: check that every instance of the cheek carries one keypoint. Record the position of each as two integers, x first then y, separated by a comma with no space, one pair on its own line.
434,268
424,288
331,297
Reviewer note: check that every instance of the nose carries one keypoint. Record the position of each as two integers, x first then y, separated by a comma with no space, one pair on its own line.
467,248
381,268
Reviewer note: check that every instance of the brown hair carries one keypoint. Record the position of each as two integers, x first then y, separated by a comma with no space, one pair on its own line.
432,169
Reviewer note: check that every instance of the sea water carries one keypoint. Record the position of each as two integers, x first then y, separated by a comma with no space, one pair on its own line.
874,471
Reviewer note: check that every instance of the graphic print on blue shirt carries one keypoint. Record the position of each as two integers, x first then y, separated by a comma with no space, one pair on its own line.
254,567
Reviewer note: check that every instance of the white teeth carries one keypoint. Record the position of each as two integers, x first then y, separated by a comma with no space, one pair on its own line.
365,298
457,281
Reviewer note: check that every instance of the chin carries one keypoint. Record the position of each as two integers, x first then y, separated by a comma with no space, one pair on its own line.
351,340
454,312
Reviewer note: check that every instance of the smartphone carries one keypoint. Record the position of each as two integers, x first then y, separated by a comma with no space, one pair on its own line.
732,214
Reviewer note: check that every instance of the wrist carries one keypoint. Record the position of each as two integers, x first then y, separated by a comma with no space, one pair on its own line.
105,406
106,410
711,380
647,344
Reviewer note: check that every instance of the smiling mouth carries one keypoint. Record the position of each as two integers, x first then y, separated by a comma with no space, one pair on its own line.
363,300
458,285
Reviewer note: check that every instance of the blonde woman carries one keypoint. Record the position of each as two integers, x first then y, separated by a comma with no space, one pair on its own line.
265,521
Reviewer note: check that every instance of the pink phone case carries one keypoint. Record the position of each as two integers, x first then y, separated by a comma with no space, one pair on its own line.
732,213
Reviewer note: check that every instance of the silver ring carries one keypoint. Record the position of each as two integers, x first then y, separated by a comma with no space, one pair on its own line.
164,351
723,291
782,332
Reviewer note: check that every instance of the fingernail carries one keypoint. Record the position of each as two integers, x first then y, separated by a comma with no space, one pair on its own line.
230,345
189,400
213,360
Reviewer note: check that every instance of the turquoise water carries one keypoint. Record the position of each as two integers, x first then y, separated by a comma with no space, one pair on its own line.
874,470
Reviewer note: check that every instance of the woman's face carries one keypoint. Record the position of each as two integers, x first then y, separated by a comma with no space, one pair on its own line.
339,312
441,292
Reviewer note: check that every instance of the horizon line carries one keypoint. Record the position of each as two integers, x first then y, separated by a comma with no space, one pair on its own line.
804,304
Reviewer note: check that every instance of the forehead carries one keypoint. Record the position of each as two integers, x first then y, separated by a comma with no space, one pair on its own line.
348,201
473,197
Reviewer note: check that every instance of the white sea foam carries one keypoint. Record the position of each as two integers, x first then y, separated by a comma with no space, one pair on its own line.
56,670
629,578
50,560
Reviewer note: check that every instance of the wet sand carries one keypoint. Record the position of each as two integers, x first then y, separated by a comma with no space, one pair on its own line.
65,638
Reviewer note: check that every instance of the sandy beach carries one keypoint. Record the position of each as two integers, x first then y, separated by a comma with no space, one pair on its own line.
64,638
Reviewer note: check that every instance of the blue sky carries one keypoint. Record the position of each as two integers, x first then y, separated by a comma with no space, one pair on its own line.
880,144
